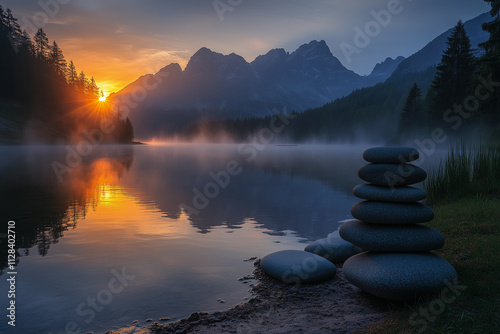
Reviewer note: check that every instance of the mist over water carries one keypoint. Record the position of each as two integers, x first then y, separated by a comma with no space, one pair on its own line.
180,218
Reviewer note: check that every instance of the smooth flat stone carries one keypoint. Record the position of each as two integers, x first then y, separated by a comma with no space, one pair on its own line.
399,276
392,213
333,248
373,192
391,238
295,267
392,175
391,154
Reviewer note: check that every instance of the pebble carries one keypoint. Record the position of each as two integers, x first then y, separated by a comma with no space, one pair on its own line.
295,267
333,248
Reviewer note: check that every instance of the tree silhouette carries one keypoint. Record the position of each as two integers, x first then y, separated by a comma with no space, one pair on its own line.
93,89
454,73
82,83
411,115
72,75
25,44
7,57
37,84
490,61
13,25
41,44
128,132
2,17
56,59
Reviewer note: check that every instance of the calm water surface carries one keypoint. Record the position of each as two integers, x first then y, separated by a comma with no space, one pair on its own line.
131,233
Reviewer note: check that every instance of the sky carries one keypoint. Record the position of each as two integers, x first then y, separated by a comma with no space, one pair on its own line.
116,41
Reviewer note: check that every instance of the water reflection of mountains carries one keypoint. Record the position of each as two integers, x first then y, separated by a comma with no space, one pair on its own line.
284,189
301,189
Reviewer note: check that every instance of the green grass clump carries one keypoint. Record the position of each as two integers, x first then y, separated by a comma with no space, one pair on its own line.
465,171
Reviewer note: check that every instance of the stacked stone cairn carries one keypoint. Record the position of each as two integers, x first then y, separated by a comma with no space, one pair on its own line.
398,263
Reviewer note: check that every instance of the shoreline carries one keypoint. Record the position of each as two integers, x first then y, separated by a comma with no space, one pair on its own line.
333,306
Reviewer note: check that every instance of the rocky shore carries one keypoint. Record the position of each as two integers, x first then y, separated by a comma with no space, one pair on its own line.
335,306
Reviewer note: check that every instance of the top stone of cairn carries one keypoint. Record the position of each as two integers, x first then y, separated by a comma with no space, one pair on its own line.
391,154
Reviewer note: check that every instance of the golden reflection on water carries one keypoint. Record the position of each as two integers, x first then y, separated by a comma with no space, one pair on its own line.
112,212
110,218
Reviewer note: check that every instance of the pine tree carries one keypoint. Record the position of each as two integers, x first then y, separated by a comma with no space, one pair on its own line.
93,89
41,44
454,73
128,132
490,61
13,25
26,45
56,59
411,115
72,75
82,83
3,21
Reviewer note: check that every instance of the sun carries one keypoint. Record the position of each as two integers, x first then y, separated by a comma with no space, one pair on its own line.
102,99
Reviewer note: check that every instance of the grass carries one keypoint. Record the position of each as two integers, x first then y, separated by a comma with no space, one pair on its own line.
471,227
465,171
464,191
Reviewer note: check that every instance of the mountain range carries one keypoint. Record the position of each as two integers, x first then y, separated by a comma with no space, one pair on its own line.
216,86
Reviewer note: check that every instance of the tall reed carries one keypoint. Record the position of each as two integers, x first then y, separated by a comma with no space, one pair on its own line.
466,170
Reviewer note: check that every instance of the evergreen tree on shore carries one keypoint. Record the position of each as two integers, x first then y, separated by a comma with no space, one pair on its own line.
411,115
14,27
72,75
57,60
36,84
490,61
93,90
41,44
454,74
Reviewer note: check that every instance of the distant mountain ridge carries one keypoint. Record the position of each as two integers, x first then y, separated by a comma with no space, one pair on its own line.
387,67
215,86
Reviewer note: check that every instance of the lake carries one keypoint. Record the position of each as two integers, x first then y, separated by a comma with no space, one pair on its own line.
159,231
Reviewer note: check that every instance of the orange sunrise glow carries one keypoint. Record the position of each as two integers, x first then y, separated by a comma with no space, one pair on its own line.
221,166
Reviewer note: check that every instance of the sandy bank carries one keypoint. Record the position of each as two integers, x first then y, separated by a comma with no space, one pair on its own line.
335,306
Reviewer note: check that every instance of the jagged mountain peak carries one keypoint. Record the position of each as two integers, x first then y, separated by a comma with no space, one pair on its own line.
171,68
316,54
205,58
387,66
313,49
272,56
205,54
